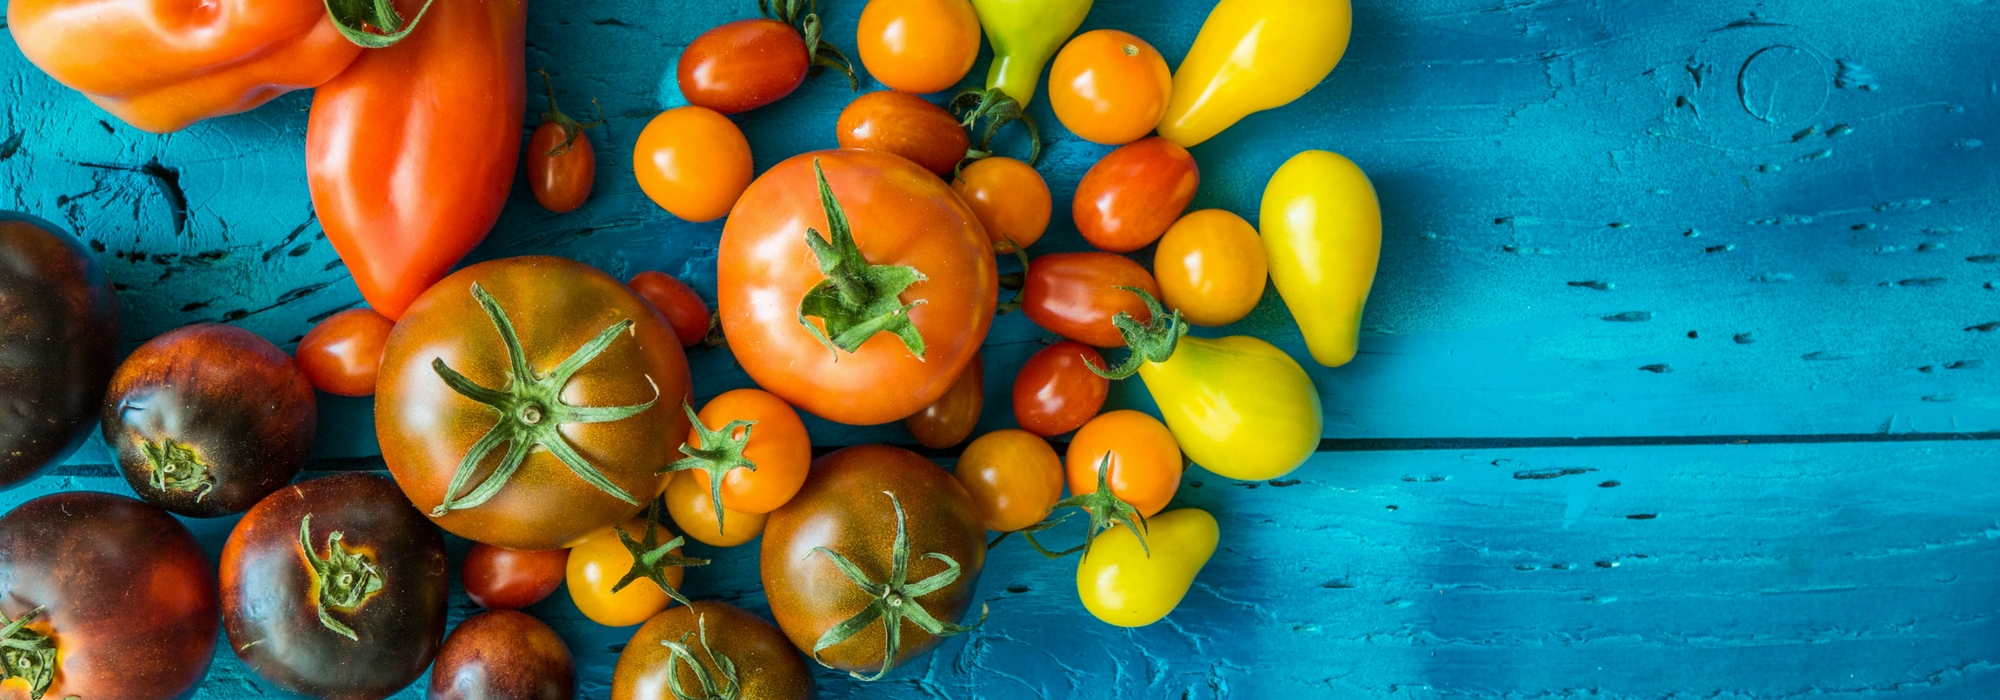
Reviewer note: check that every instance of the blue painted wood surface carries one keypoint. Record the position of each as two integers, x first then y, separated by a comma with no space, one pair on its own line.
1606,219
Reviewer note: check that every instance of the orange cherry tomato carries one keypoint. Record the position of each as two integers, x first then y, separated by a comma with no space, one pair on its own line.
1211,266
693,162
906,125
776,442
1009,197
684,309
918,45
343,353
1014,477
950,420
1131,196
693,510
596,565
562,166
1076,295
1110,87
1056,392
1145,466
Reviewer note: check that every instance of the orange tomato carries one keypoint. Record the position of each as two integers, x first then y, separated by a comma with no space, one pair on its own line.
1145,466
693,162
1110,87
918,45
597,564
1211,266
693,510
1014,478
776,442
1011,200
906,125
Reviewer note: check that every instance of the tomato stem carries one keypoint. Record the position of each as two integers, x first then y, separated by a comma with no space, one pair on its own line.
856,300
1105,509
28,654
570,127
1153,341
995,106
720,453
361,20
1019,280
173,466
728,688
894,600
344,580
651,558
804,16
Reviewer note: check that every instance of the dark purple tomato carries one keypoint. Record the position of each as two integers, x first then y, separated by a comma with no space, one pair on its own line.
503,655
58,344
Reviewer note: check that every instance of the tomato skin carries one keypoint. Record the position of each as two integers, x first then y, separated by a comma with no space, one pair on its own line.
1013,476
560,182
497,578
906,125
1109,86
1240,406
342,354
778,446
693,162
675,300
767,666
596,564
901,214
1129,585
692,508
1075,295
1056,392
1145,461
743,65
1131,196
918,46
61,343
950,419
503,654
1323,227
1010,198
1211,265
127,594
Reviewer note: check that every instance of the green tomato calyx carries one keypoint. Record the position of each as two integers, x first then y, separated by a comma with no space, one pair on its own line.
803,15
857,299
721,685
998,109
1105,509
651,558
530,413
895,599
372,24
571,128
173,466
28,654
720,453
344,580
1154,341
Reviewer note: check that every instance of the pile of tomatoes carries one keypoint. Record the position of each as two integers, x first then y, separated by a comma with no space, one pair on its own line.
523,403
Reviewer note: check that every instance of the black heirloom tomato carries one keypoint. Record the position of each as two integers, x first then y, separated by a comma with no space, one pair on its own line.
58,344
874,561
708,649
503,655
103,597
209,419
335,588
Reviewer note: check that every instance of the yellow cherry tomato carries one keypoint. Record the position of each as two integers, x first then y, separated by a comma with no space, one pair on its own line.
1323,237
1211,266
1132,586
1014,477
693,511
693,162
918,46
597,564
1253,55
1109,87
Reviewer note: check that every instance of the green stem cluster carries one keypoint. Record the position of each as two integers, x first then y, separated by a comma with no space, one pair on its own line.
1153,341
372,24
722,685
721,451
1104,508
857,299
175,467
804,15
571,128
28,654
993,105
894,599
651,558
345,580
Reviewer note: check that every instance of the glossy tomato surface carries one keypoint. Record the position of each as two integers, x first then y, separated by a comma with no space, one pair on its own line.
766,666
743,65
1075,295
1010,198
918,45
775,441
906,125
692,507
560,176
1145,467
1056,392
342,354
59,335
127,598
1109,86
949,420
503,655
693,162
1131,196
497,578
1013,476
675,300
1211,266
595,567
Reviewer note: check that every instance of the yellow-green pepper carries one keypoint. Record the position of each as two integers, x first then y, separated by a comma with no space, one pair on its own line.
1322,230
1132,584
1025,34
1253,55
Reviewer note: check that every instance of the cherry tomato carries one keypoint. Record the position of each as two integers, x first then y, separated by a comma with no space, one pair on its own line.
343,353
775,441
1014,477
1009,197
918,45
562,165
596,565
1211,266
906,125
497,578
693,510
503,654
1109,86
950,420
684,309
1076,295
746,64
693,162
1056,392
1145,466
1131,196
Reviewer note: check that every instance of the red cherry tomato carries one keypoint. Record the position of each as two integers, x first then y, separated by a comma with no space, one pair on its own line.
1131,196
684,309
1075,295
342,354
497,578
1010,199
746,64
950,420
906,125
562,166
1056,392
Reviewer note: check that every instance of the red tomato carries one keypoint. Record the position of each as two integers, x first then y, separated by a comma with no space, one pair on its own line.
1010,198
692,162
1145,468
1014,477
562,165
497,578
342,354
746,64
1131,196
950,420
1109,86
1056,392
1075,295
906,125
684,309
918,45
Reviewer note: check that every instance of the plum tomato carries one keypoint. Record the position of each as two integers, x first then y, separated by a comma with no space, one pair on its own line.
503,654
675,300
609,584
746,64
950,419
59,335
1009,197
693,162
497,578
342,354
1013,476
710,649
1056,392
906,125
1145,467
562,165
1134,193
1110,87
1075,295
1211,266
209,419
755,443
692,507
918,46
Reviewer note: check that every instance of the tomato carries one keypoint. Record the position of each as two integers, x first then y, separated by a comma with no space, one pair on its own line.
335,587
1075,295
1131,196
746,64
1130,584
342,354
1145,466
1253,55
878,534
918,45
1056,392
692,506
562,165
1211,266
208,419
1109,87
609,588
503,654
590,379
710,649
674,299
1323,229
911,296
114,597
1010,199
693,162
1013,477
757,445
950,419
497,578
906,125
60,344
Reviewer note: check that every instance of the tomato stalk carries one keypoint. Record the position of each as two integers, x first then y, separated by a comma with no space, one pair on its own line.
804,15
530,413
1152,342
372,24
344,580
993,105
176,467
857,299
1105,509
678,652
28,654
1017,281
571,128
651,559
721,451
895,599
